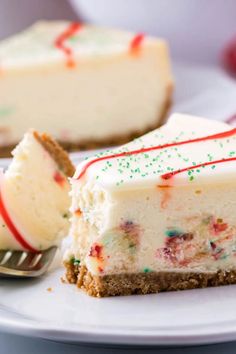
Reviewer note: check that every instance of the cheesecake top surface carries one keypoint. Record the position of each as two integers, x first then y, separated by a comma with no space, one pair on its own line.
54,41
187,150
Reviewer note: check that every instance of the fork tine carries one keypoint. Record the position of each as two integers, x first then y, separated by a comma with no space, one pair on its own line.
25,264
13,260
35,261
6,257
47,257
2,255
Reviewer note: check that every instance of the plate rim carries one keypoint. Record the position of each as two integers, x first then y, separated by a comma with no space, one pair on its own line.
208,334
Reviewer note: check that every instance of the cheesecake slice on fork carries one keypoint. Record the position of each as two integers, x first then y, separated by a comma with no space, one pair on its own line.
34,195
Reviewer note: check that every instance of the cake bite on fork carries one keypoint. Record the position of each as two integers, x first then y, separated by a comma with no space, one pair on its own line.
34,202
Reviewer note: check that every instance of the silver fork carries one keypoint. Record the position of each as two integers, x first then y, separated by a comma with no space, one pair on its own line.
25,264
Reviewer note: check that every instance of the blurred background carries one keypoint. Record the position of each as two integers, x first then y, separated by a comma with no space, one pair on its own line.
197,30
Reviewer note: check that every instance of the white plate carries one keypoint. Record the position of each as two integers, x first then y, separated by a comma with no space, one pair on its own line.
187,317
67,314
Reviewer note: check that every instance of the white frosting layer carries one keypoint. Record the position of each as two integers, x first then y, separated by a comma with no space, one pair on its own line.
145,169
36,45
36,203
139,225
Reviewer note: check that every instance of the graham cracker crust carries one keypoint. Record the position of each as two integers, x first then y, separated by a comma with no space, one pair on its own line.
144,283
56,151
5,151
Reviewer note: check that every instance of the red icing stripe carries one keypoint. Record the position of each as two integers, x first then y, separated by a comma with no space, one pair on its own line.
173,173
59,178
139,151
8,221
60,42
136,42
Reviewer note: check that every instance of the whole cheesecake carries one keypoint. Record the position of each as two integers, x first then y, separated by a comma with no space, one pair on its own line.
158,213
87,86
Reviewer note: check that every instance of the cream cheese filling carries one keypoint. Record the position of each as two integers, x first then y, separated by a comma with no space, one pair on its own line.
142,225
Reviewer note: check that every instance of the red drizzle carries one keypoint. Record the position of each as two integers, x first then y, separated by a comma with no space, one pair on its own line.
96,251
59,179
158,147
136,42
8,221
219,227
100,269
164,186
173,173
165,189
60,42
78,212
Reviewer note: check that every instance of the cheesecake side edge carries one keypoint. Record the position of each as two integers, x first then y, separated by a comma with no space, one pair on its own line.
119,139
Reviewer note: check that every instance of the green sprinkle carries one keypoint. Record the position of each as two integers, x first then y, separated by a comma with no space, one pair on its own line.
73,39
147,270
74,261
6,111
210,157
173,233
224,256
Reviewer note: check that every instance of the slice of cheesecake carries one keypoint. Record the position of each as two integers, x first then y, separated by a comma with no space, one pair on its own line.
34,195
88,86
158,213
